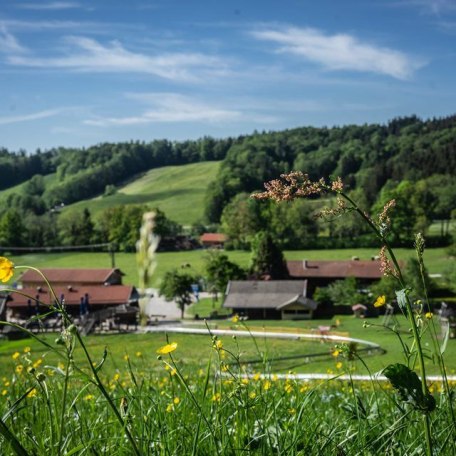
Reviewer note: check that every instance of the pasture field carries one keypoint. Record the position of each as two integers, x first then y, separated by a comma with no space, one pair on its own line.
436,260
283,355
179,191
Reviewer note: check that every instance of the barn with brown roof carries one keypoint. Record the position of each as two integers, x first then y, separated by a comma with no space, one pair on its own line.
216,240
36,300
322,273
63,276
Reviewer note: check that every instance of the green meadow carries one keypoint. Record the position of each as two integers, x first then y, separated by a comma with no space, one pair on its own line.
179,191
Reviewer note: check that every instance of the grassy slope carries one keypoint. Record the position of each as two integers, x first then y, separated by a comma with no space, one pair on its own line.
177,190
436,260
49,180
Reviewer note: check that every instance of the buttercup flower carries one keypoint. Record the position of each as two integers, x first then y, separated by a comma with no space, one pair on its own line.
6,269
381,300
428,315
168,348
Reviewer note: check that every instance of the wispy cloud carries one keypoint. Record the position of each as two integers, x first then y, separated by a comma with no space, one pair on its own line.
49,5
29,117
339,52
86,54
172,107
436,7
8,43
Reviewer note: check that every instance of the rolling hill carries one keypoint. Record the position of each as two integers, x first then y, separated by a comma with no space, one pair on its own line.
179,191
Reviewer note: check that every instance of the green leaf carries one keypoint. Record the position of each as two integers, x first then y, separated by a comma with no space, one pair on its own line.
402,299
409,387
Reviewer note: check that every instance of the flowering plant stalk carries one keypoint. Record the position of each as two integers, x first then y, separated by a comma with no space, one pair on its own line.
298,185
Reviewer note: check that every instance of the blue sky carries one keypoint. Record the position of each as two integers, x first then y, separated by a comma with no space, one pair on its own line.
76,73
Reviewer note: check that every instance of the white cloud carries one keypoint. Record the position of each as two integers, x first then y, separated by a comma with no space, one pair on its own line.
172,107
49,6
28,117
435,7
8,42
87,54
339,52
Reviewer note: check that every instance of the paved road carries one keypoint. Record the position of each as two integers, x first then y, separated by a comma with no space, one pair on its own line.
161,309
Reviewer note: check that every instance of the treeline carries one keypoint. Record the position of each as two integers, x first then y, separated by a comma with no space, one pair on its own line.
84,173
367,157
118,226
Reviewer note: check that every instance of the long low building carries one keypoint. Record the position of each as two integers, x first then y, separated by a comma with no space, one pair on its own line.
29,301
269,299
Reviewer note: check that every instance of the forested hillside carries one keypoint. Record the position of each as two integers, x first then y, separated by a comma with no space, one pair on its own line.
408,159
366,157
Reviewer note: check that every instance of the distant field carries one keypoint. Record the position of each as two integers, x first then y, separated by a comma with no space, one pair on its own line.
177,190
436,260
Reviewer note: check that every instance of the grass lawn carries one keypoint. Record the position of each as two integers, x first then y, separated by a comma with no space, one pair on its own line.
195,350
436,260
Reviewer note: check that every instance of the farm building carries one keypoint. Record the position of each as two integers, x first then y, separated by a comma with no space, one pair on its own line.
322,273
270,299
85,292
214,240
65,277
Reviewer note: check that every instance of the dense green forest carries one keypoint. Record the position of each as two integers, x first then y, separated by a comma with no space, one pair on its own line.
408,159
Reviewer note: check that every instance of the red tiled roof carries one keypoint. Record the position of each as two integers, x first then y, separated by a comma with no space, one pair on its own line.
360,269
98,295
67,276
213,237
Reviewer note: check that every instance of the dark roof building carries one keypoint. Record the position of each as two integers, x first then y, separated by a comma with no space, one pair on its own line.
271,299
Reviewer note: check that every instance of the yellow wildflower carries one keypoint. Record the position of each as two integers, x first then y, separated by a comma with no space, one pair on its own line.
168,348
235,318
61,366
7,383
116,377
216,397
27,349
257,376
138,354
89,397
266,385
126,357
292,411
429,315
19,369
6,269
252,395
288,388
218,345
37,363
245,381
32,393
4,392
336,353
15,355
176,400
339,365
381,301
170,408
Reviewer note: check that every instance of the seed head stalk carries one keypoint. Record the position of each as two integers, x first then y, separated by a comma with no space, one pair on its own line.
410,317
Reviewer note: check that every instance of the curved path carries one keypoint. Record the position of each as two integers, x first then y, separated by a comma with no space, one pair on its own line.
290,336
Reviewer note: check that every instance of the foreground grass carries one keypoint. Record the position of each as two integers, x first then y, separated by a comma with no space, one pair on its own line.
197,401
436,260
